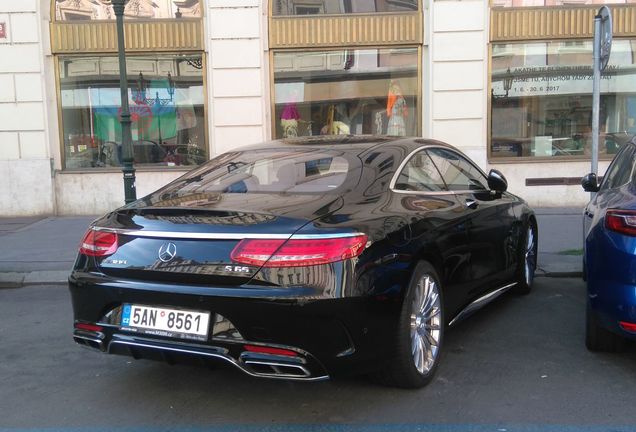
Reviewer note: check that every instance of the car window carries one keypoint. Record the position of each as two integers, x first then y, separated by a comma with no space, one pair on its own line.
621,169
420,174
458,173
273,171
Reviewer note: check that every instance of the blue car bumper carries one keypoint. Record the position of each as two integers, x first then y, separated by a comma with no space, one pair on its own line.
611,275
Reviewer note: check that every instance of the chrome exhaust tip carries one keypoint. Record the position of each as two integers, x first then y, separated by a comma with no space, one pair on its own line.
274,366
91,341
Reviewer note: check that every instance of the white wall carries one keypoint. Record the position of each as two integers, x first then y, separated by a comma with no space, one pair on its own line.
100,192
25,157
458,63
237,73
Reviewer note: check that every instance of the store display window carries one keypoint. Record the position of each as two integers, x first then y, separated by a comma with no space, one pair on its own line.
361,91
166,97
541,99
333,7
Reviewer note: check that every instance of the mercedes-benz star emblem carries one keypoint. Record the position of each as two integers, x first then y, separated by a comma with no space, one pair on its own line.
167,251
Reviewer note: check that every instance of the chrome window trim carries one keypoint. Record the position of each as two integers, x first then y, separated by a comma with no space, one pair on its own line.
223,236
447,192
401,168
426,147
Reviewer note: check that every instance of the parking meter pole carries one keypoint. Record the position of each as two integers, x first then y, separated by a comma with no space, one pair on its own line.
128,169
596,94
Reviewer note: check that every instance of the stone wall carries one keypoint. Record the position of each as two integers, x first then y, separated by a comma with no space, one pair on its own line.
25,156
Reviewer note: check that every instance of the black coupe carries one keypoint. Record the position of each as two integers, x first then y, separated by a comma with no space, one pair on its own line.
304,259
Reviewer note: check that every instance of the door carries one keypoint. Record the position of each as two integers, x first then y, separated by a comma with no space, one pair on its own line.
438,225
489,223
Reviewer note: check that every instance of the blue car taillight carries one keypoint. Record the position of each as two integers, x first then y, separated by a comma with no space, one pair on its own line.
621,221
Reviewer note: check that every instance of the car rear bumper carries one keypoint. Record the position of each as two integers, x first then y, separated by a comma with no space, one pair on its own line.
302,367
329,336
613,302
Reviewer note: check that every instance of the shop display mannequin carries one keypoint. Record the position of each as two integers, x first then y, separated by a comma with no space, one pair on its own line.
396,111
289,120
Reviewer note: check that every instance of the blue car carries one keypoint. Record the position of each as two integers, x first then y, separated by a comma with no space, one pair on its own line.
609,260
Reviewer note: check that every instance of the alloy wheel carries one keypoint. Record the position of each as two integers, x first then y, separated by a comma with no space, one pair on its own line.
530,256
426,324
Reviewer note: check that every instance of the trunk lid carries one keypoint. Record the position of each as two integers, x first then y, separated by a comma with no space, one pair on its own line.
192,244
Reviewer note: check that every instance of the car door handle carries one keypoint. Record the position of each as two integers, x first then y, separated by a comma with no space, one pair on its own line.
471,203
589,213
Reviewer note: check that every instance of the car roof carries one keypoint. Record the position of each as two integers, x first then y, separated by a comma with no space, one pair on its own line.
352,143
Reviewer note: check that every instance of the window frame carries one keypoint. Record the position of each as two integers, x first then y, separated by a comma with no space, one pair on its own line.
446,192
403,167
489,116
628,147
148,168
54,19
272,90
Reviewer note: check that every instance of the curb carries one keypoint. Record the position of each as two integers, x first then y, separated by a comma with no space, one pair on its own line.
20,279
561,274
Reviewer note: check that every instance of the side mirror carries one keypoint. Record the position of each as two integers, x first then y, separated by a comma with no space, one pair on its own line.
590,183
497,181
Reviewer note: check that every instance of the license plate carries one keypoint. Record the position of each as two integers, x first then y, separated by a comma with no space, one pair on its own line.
165,321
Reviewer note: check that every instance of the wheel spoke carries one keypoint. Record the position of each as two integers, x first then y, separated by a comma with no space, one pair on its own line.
425,324
430,340
436,311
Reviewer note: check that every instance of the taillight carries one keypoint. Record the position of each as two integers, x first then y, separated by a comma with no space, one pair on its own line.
621,221
98,243
630,327
298,252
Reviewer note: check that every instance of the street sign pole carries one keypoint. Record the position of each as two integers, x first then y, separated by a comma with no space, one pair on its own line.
601,53
596,92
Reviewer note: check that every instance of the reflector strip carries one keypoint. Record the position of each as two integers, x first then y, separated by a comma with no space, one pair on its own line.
88,327
270,350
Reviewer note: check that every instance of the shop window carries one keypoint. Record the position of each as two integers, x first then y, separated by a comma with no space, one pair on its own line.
362,91
541,99
310,7
535,3
166,100
86,10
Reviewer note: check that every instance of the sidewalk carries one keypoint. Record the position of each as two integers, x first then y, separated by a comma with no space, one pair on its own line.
42,250
39,250
560,241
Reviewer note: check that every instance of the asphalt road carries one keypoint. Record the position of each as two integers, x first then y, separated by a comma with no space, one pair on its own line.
517,365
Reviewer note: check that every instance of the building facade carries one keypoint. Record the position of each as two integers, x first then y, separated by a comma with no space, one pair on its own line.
507,81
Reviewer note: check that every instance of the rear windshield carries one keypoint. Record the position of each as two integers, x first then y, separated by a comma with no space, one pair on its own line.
273,171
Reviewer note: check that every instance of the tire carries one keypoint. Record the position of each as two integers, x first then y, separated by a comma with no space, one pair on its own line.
415,334
527,259
599,339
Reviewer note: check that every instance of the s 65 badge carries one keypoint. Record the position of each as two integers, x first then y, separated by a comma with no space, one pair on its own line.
237,269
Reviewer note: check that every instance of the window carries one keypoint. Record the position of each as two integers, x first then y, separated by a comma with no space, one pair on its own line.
363,91
166,103
271,171
458,173
99,10
420,175
542,99
304,7
534,3
620,171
